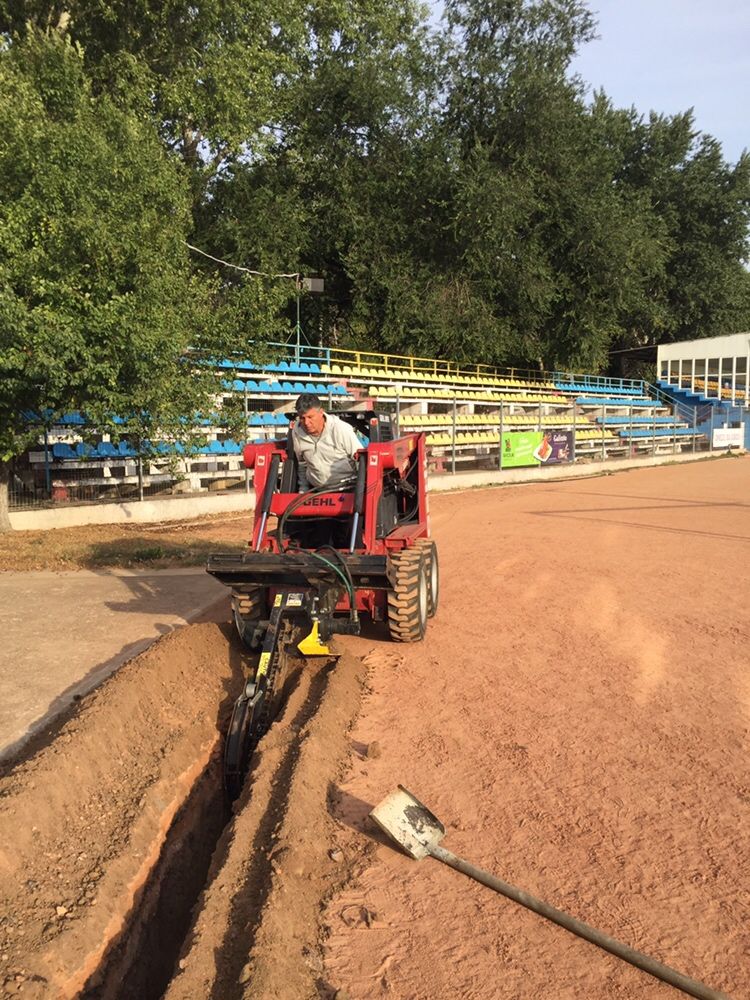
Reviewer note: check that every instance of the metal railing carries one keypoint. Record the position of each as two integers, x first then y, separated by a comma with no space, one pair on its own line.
393,364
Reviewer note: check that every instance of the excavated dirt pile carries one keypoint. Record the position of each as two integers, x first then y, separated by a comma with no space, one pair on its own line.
107,835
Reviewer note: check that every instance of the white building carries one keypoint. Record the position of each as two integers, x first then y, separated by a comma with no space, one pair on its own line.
714,367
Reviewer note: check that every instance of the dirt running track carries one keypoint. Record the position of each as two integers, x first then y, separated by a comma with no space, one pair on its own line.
578,717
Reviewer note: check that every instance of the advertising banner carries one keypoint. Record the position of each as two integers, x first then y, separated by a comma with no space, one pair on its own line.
549,447
727,437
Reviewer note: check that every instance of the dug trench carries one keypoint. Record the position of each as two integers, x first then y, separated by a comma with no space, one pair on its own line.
124,872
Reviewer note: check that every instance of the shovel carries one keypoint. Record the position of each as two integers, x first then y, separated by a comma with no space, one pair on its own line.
418,832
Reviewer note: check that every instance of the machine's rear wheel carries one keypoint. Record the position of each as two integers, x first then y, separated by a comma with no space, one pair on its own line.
408,602
249,607
433,573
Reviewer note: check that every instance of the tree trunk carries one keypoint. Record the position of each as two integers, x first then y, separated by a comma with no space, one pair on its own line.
5,524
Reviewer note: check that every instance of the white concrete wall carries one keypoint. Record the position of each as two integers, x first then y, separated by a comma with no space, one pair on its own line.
135,512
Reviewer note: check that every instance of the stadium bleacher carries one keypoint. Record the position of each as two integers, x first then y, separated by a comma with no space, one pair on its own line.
463,409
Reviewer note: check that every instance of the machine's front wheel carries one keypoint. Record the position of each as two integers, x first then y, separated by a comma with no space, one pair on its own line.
409,601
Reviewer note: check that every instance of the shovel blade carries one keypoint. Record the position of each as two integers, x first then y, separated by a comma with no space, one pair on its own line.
409,822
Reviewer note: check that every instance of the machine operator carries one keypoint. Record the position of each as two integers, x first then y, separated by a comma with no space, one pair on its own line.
324,444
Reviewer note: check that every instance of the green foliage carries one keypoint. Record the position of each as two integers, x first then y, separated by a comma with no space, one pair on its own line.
99,308
454,188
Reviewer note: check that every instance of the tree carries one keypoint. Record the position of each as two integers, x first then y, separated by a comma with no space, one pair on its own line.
99,308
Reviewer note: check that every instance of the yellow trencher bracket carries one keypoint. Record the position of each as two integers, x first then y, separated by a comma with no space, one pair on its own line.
311,644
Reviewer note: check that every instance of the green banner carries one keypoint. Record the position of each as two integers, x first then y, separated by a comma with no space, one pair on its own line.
549,447
519,448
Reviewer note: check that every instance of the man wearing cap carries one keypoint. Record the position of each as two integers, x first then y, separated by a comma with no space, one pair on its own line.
324,444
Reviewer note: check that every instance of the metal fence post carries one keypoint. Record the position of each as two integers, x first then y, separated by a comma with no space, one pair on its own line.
398,411
674,433
575,436
453,449
711,431
140,478
47,470
630,431
540,428
653,430
502,431
247,414
604,431
695,428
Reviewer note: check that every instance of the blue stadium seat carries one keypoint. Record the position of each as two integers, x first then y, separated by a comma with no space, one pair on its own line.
611,401
216,448
232,447
106,449
252,385
282,420
304,368
287,387
314,369
73,419
268,420
63,451
125,450
84,450
256,420
665,432
636,420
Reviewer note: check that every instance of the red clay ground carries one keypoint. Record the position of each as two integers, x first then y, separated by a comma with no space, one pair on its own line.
579,718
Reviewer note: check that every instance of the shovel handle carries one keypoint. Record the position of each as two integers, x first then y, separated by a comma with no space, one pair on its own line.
690,986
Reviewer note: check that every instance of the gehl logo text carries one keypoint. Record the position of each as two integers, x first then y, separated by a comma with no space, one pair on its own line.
321,502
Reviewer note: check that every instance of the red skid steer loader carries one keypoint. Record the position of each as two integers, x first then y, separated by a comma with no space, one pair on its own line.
331,556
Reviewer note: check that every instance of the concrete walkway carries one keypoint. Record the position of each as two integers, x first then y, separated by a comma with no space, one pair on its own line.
63,633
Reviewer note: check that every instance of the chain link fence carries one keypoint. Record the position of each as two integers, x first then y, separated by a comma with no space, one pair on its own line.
461,437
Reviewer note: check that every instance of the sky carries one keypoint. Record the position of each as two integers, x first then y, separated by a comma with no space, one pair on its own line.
671,55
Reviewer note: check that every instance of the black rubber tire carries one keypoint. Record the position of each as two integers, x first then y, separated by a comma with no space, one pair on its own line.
249,606
408,602
433,574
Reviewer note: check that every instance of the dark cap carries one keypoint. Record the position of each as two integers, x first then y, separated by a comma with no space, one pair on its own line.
307,401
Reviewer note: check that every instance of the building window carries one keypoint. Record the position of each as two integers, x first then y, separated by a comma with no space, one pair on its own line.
712,382
700,376
740,380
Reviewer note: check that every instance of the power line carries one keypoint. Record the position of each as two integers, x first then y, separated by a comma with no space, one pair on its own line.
247,270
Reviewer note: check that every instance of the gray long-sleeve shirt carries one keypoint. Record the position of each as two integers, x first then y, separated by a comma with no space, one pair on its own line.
328,458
